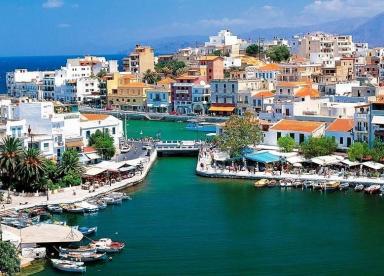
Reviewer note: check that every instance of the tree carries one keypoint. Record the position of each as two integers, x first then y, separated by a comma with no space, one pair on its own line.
254,50
318,146
10,153
218,53
377,151
172,65
151,77
103,142
358,150
278,53
31,170
70,163
286,143
238,133
102,73
9,262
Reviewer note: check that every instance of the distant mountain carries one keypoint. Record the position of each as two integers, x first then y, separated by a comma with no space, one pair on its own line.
344,26
371,31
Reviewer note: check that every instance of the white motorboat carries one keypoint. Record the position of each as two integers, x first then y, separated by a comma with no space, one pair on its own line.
55,208
68,266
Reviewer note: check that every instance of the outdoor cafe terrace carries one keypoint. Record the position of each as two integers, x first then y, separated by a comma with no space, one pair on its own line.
271,163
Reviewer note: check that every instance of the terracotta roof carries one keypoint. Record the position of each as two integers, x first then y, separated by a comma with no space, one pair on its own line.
270,67
248,60
95,117
135,84
263,94
341,125
291,83
89,149
298,126
307,91
209,58
167,80
187,77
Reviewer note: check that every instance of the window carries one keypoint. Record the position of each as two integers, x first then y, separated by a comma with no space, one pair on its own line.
113,130
278,135
301,138
292,135
45,146
88,134
341,140
349,142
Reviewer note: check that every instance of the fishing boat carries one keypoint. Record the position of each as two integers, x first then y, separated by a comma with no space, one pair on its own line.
261,183
55,208
88,208
373,189
201,126
344,186
68,266
86,231
106,245
125,149
317,186
110,200
80,249
308,184
272,183
359,188
298,184
331,186
73,208
83,256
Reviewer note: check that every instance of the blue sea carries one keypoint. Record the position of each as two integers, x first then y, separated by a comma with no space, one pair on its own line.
8,64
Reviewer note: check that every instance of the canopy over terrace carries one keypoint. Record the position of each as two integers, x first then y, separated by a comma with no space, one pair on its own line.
93,171
263,157
373,165
327,160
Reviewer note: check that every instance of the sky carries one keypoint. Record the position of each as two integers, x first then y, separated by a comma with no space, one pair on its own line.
54,27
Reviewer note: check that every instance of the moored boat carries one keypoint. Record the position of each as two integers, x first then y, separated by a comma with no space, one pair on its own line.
359,188
344,186
201,126
261,183
86,231
106,245
373,189
88,208
55,208
298,184
83,256
272,183
80,249
73,208
317,186
331,186
68,266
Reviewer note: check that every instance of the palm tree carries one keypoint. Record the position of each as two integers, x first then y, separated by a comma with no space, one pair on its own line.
150,77
10,153
70,162
31,170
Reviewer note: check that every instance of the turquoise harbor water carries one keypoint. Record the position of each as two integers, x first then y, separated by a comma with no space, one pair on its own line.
180,224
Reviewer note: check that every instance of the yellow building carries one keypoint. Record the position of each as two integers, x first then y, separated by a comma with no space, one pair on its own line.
140,60
129,96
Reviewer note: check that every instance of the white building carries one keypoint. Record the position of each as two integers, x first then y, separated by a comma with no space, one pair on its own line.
341,130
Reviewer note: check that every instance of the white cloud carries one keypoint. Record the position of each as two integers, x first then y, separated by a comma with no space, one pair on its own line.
338,9
63,25
51,4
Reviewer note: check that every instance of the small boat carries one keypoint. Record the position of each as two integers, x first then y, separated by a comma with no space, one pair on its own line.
201,126
373,189
110,200
68,266
55,208
83,256
261,183
272,183
73,208
106,245
283,183
86,231
359,188
344,186
125,149
88,208
308,184
298,184
317,186
80,249
331,186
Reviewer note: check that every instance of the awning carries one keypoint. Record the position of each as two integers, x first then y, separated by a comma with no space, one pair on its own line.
126,169
378,120
222,108
350,163
263,157
220,156
295,159
149,105
93,156
327,160
92,171
163,105
83,158
373,165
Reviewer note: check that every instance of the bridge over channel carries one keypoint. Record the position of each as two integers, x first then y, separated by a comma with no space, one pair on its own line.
178,148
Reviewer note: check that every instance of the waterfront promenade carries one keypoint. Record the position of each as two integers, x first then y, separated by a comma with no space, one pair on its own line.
76,194
205,169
